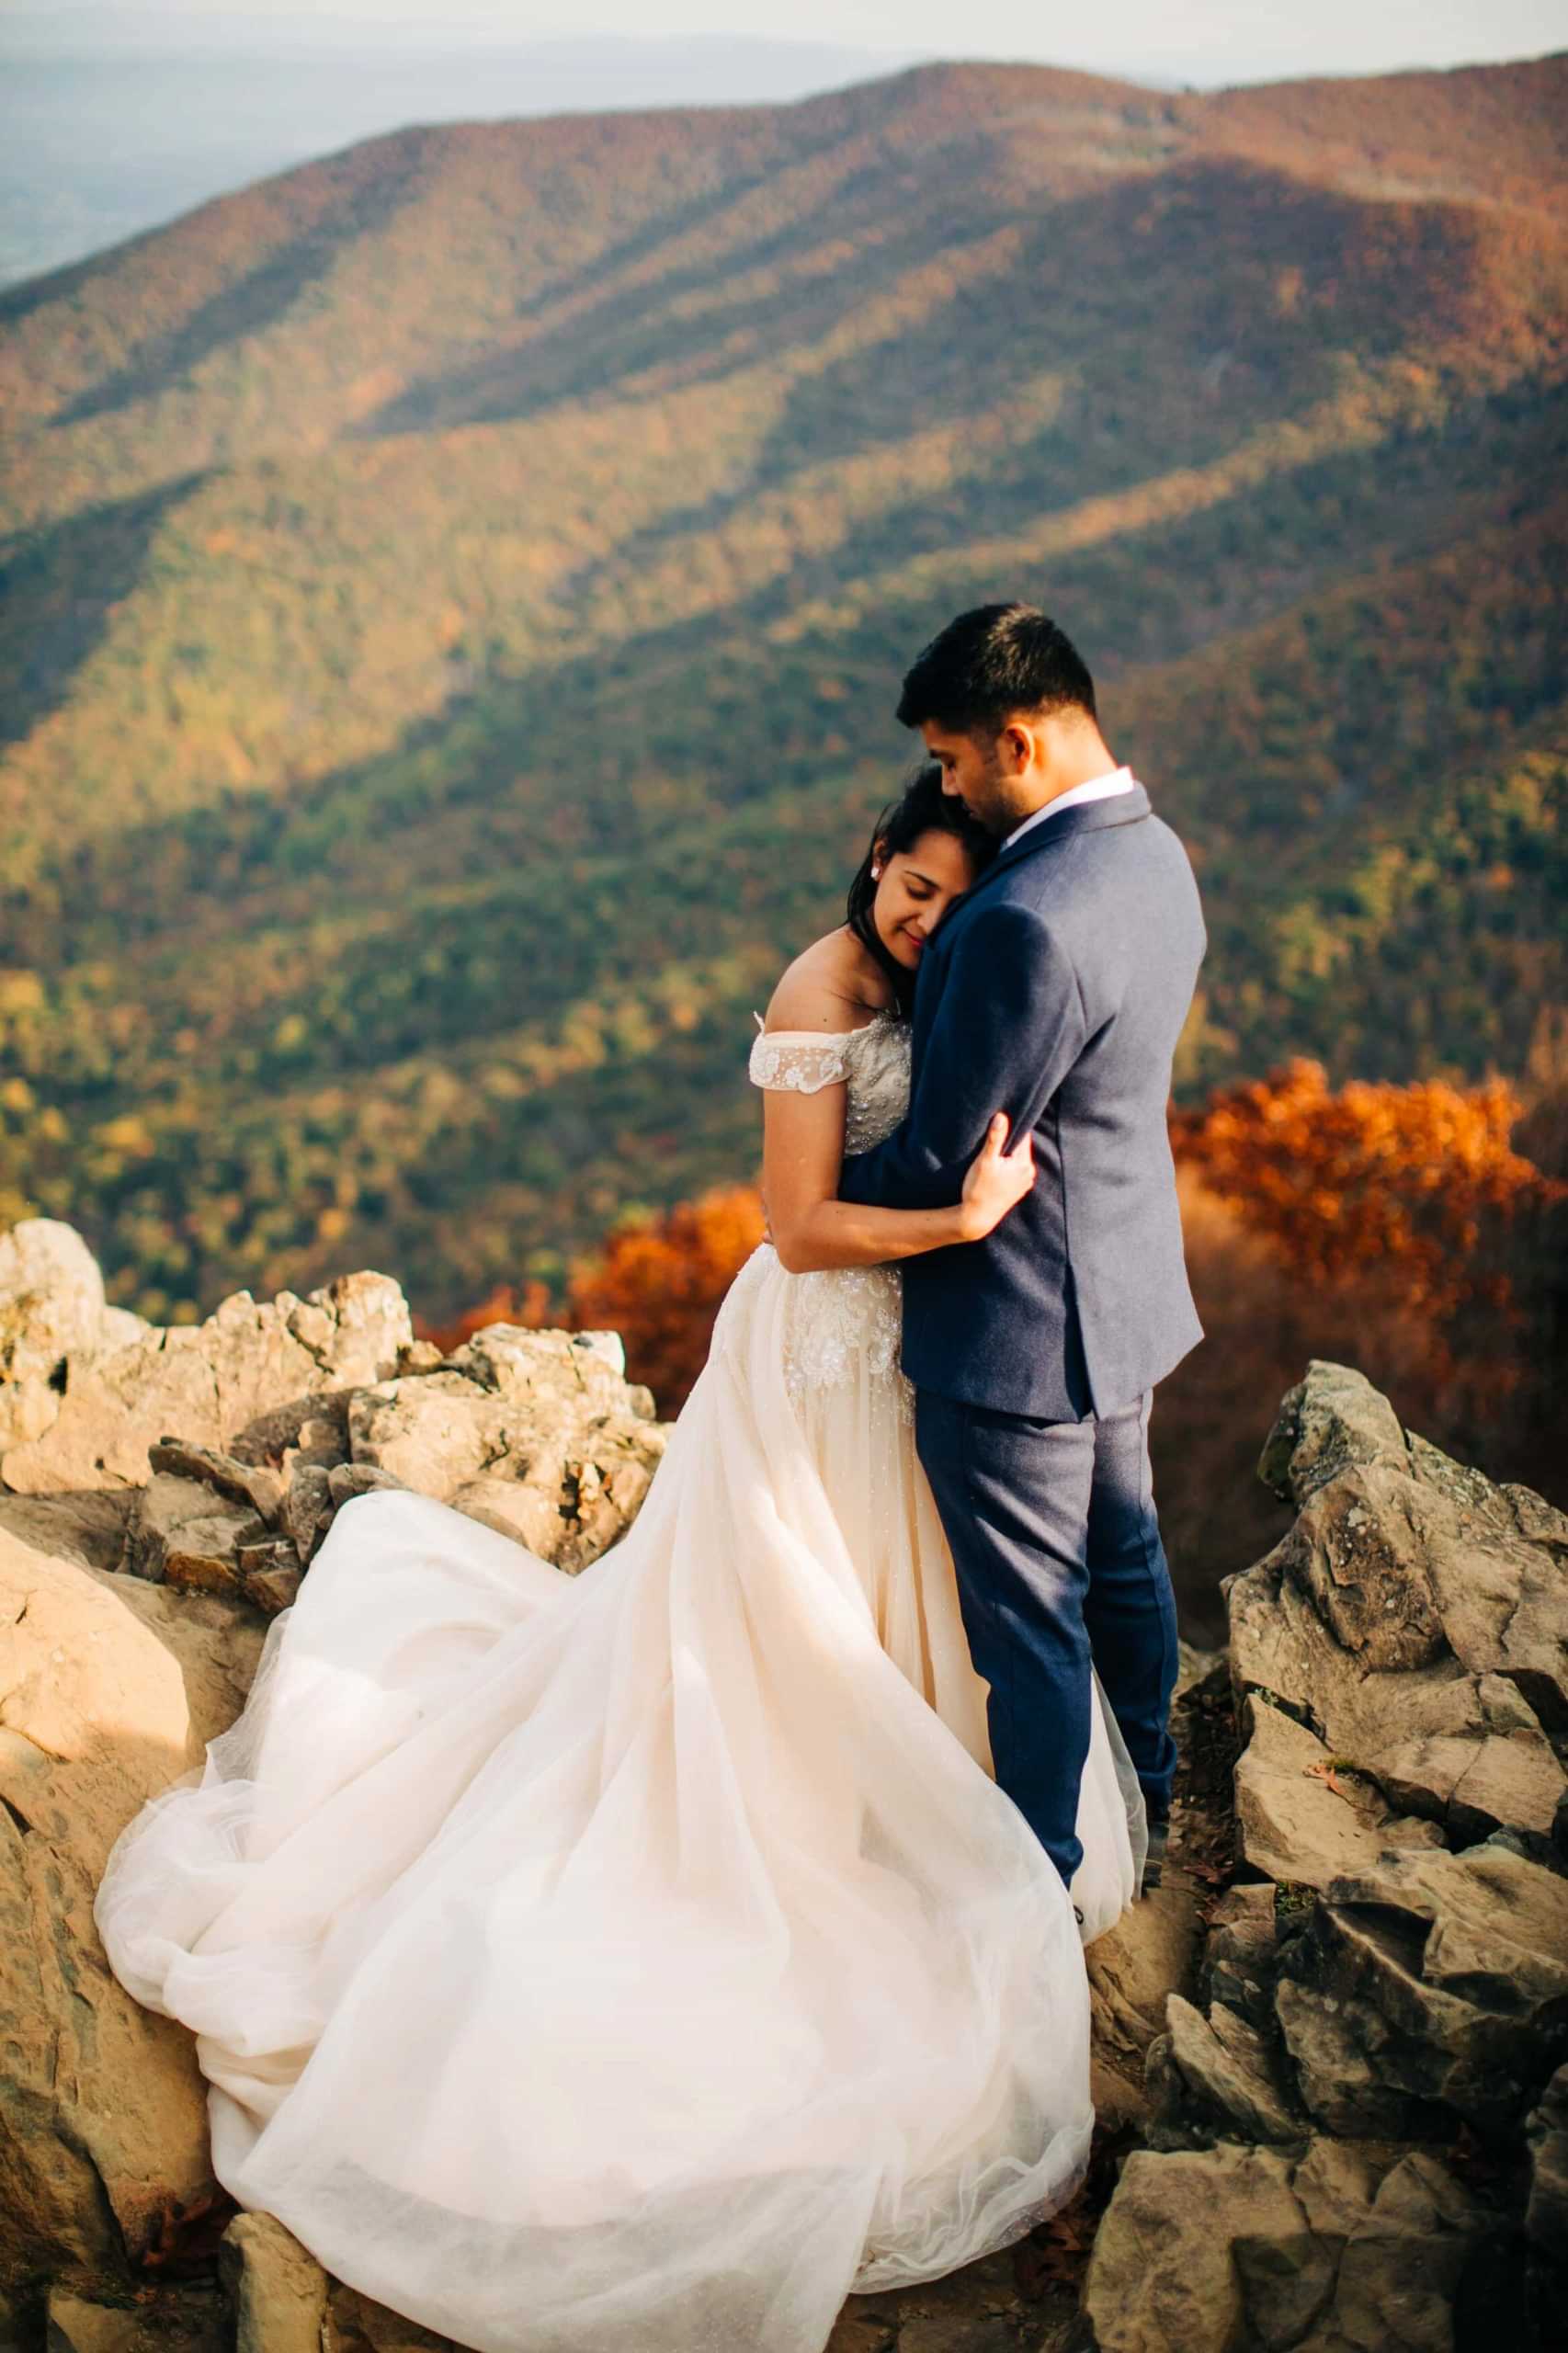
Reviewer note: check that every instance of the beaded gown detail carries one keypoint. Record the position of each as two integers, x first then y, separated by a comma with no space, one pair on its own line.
637,1963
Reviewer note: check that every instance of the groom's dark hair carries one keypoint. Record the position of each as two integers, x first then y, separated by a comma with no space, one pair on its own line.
991,662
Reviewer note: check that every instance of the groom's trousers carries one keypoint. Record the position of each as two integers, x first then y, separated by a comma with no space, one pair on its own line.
1057,1547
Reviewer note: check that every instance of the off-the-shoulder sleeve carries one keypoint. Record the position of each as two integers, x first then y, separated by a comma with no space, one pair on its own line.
801,1061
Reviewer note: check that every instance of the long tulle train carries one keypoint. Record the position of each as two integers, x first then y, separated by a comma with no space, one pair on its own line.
633,1963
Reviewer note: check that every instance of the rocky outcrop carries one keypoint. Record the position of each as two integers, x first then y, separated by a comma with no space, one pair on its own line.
110,1689
91,1422
1356,2131
222,1449
55,1324
163,1495
1412,1625
1335,2040
536,1433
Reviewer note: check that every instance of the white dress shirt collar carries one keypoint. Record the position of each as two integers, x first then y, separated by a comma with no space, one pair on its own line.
1097,787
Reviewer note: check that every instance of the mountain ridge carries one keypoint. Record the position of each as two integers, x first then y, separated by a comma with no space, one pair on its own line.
557,503
1238,119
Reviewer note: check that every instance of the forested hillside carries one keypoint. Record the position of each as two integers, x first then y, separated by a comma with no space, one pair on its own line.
456,594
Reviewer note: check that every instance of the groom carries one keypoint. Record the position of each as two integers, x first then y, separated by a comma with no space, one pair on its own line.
1055,990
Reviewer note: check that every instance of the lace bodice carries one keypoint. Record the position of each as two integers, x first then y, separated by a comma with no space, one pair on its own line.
873,1060
844,1323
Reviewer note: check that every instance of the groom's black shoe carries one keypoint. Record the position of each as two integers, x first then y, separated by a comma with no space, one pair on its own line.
1154,1862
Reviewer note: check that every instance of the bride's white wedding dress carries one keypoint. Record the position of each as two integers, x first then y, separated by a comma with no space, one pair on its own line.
636,1962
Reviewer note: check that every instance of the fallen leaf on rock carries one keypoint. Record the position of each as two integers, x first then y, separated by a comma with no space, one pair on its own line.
1324,1771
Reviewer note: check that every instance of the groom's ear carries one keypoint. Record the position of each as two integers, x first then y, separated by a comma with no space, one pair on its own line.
1015,745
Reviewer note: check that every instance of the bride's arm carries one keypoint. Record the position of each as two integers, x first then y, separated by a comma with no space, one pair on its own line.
812,1229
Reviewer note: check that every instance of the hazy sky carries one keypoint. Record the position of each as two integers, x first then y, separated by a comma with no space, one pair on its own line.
1203,40
116,115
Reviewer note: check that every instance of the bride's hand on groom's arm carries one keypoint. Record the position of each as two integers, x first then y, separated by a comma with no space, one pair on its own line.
997,1181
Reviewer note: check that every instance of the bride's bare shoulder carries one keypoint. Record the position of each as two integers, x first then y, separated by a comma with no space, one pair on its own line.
832,986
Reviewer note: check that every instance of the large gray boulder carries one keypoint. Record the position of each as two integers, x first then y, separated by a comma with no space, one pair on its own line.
1217,2075
1414,1621
1301,1815
1332,2248
1430,1991
1385,1985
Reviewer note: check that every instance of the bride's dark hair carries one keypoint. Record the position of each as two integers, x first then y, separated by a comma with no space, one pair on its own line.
924,808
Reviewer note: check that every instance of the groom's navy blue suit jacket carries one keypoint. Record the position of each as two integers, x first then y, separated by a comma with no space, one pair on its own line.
1054,990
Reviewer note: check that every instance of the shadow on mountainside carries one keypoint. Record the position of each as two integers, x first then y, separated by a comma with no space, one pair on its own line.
62,585
263,294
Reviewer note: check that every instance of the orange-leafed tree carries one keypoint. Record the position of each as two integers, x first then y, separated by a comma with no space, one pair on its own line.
1404,1190
505,1304
659,1283
1405,1232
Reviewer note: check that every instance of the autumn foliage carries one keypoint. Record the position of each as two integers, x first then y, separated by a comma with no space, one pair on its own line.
1407,1183
1396,1228
1394,1198
507,1303
659,1283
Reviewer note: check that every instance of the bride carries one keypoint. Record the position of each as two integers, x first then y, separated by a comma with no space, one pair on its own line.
638,1962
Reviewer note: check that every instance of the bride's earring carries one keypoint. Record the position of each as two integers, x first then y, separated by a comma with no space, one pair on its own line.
876,873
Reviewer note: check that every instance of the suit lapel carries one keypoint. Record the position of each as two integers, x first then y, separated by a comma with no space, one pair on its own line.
1088,816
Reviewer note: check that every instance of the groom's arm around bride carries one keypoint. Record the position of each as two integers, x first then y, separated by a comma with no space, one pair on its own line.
1056,991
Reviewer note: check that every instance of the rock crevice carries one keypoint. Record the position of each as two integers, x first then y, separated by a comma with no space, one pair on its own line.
1358,2143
